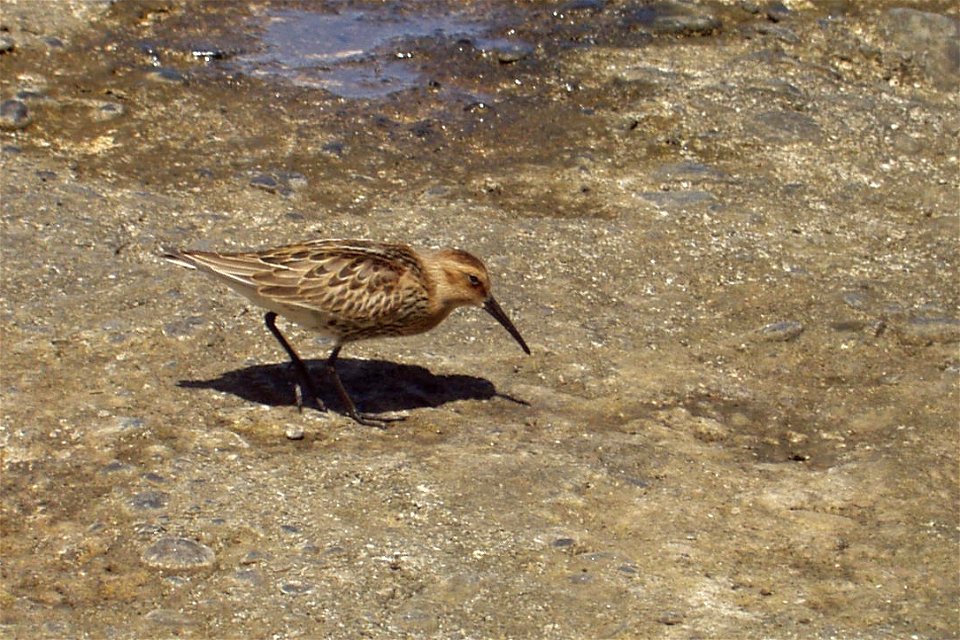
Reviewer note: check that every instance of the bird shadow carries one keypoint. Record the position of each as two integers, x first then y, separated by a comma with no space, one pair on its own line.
376,386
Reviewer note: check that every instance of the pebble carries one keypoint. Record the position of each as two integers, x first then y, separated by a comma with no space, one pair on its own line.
928,331
335,148
178,554
295,588
584,5
253,557
294,432
688,171
930,39
777,11
850,326
208,53
780,331
182,326
114,466
266,182
506,51
672,18
150,500
283,182
249,576
782,33
165,74
14,115
148,529
168,618
108,111
6,45
787,126
678,199
670,618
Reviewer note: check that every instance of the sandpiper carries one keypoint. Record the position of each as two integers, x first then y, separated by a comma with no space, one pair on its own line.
352,290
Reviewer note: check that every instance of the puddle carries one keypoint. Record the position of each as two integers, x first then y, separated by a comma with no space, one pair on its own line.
353,54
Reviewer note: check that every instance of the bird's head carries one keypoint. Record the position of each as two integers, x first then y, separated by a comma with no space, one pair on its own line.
464,281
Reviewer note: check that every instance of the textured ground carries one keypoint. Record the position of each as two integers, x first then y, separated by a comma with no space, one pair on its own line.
729,231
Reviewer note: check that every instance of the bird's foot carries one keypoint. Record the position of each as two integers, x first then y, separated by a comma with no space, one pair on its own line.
380,421
298,394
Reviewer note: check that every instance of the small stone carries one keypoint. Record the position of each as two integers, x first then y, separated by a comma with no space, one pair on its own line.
108,111
777,31
148,529
253,557
672,18
266,182
6,45
561,543
780,331
208,53
929,331
295,588
114,466
128,423
786,126
14,115
709,430
178,554
168,618
294,432
165,74
777,11
678,199
850,326
150,500
670,618
182,326
293,180
928,38
508,52
249,576
593,6
335,148
692,172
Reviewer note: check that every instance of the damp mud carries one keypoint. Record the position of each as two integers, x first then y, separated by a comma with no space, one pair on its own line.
727,230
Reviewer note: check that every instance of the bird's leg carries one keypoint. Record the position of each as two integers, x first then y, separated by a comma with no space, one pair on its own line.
364,419
271,320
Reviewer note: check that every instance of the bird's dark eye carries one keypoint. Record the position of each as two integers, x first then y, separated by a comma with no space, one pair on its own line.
474,280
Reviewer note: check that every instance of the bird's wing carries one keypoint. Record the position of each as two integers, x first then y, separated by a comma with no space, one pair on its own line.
347,279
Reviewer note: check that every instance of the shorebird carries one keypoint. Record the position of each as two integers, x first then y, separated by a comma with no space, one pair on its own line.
352,290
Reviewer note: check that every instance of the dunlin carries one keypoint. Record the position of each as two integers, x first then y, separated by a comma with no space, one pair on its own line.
352,290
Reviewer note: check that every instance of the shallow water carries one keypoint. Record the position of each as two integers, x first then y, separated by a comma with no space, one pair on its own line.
352,54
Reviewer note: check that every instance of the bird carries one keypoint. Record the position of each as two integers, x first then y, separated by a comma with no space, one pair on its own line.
350,290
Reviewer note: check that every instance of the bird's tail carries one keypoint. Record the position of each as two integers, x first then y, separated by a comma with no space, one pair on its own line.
178,257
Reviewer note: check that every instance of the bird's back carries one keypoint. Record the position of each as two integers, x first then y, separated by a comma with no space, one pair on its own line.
347,289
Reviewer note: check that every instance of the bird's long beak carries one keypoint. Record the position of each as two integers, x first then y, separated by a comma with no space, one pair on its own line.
491,306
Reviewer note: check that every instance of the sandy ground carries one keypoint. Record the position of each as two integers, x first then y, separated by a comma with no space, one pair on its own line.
729,232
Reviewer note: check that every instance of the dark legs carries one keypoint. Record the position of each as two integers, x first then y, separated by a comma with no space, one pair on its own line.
363,419
302,373
331,369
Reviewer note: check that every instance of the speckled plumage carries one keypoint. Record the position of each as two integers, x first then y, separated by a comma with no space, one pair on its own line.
353,290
